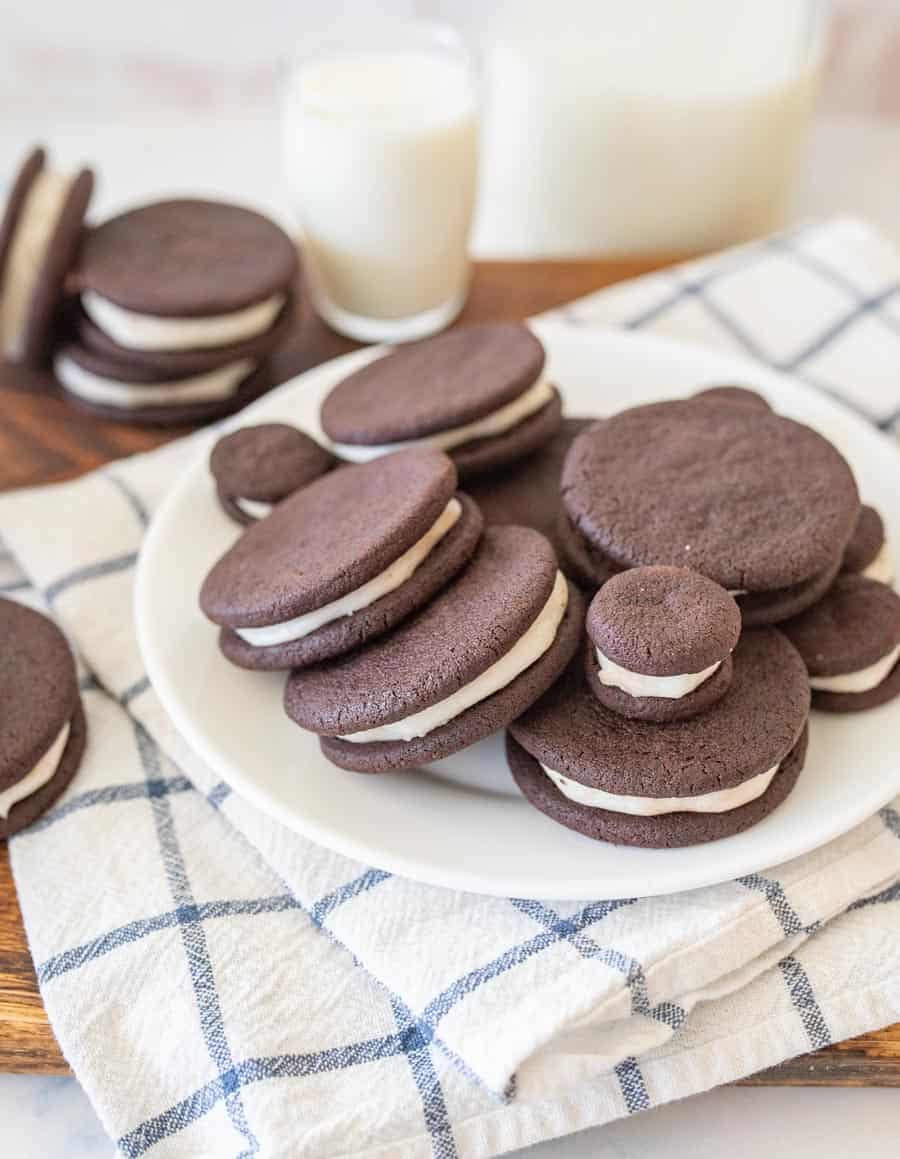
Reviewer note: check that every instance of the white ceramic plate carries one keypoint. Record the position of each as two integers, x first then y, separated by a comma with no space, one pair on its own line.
462,823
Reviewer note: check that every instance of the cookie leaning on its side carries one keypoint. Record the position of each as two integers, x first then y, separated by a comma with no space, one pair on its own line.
40,230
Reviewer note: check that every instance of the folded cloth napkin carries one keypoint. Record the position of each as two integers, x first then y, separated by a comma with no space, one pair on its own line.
223,987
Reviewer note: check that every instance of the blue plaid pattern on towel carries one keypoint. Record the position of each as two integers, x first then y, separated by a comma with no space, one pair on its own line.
223,987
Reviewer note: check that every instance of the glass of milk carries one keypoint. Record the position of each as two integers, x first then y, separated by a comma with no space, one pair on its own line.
380,136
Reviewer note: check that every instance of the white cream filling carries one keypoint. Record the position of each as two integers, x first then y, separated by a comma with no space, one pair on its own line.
38,218
637,684
387,581
496,423
882,567
720,801
860,681
255,508
526,651
39,775
211,386
151,332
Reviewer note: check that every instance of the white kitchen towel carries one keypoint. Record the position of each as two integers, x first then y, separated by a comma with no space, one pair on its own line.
223,987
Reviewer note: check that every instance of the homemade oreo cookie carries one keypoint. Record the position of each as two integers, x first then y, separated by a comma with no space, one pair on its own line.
258,466
659,643
464,666
634,782
760,504
868,553
39,234
850,643
42,724
740,395
341,561
479,393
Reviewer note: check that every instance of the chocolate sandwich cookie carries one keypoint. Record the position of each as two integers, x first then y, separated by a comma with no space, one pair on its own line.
850,643
123,392
42,725
185,275
740,395
341,561
175,364
527,492
659,643
256,467
634,782
868,553
39,235
466,665
760,504
479,393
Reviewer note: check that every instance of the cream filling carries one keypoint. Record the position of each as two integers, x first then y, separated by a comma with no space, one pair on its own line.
525,652
211,386
38,218
38,777
721,801
496,423
255,508
637,684
882,567
151,332
861,681
387,581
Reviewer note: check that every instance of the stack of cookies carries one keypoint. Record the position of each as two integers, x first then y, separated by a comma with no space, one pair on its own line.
606,591
679,729
166,314
180,304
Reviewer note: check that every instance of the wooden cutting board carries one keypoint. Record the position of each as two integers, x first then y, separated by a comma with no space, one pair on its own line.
43,439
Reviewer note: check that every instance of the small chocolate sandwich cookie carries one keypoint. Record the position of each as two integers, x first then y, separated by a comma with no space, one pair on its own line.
42,725
761,504
39,235
479,393
850,643
123,392
185,275
659,643
341,561
635,782
741,395
256,467
527,492
465,666
868,553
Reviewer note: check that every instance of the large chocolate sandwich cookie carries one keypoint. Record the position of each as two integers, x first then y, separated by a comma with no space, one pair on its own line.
341,561
479,393
762,505
463,667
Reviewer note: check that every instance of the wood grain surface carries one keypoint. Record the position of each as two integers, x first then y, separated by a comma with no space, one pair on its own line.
44,439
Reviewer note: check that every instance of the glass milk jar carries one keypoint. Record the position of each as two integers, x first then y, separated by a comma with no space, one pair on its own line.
380,137
642,125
